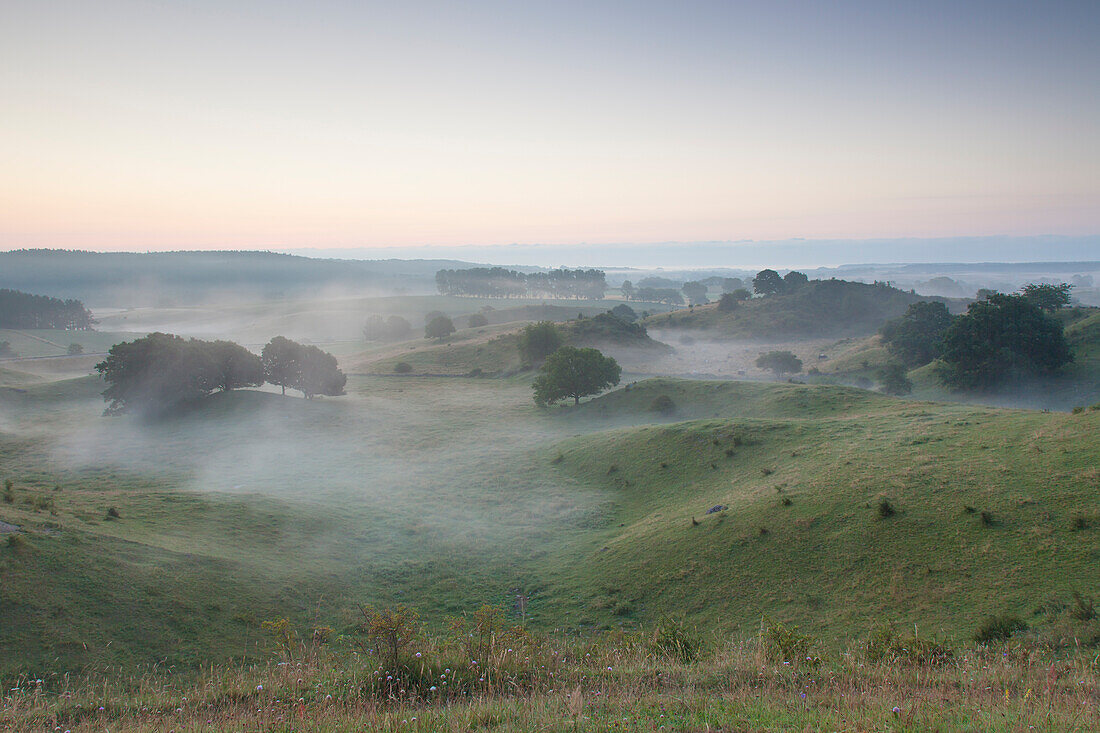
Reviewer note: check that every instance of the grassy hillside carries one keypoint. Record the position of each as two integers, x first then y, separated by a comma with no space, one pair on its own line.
449,493
803,471
820,308
494,350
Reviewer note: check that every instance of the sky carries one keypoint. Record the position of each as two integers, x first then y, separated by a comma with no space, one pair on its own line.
324,124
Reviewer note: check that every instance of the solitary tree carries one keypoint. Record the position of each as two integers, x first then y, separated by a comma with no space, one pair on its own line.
767,282
627,289
439,328
914,338
729,284
576,373
780,362
538,340
624,313
379,328
1048,297
999,336
74,349
477,320
6,349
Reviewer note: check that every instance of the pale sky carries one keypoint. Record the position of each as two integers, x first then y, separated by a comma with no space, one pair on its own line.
248,125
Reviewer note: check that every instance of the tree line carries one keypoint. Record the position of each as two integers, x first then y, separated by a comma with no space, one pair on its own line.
161,372
498,282
19,310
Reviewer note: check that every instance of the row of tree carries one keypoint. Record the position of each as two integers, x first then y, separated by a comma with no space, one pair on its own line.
498,282
19,310
160,373
1001,335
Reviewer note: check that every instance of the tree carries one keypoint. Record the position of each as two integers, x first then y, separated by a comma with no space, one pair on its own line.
234,365
794,279
319,374
767,282
155,374
477,320
729,301
439,328
729,284
281,364
538,340
74,349
576,373
1048,297
894,379
984,293
6,350
627,290
695,291
624,313
1003,335
392,328
780,362
914,338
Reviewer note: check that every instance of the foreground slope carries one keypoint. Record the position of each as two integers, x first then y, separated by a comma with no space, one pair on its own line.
989,511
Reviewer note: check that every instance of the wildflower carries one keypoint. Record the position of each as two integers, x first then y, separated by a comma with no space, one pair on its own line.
896,710
433,688
418,655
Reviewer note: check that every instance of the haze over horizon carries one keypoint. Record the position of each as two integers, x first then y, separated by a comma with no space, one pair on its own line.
139,126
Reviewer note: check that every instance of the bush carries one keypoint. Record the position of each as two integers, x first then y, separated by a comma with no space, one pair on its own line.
402,367
1084,609
672,637
987,519
113,513
1080,521
17,541
885,644
784,643
477,320
886,509
74,349
998,628
9,491
662,404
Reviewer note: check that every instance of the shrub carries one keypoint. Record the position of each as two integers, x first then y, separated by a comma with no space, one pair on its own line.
662,404
1080,521
674,638
74,349
784,643
477,320
998,628
17,541
786,501
886,509
1083,608
113,513
987,519
1080,409
402,367
390,630
885,644
9,491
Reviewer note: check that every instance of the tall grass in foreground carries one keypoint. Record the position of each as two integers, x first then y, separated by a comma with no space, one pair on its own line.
504,679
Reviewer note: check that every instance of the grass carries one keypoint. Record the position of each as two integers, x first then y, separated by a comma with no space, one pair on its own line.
610,682
447,493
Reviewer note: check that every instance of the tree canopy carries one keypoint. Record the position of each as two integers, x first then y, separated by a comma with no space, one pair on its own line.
439,328
314,372
1048,297
914,338
576,373
157,373
695,291
498,282
767,282
383,328
998,337
780,362
538,340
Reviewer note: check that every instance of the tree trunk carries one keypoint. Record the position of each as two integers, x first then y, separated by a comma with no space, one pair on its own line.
284,389
576,400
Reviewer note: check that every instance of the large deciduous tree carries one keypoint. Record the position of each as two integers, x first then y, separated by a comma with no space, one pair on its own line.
1048,297
156,374
576,373
281,364
439,328
998,337
695,291
539,340
234,366
914,338
767,282
780,363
